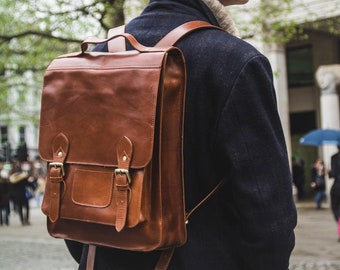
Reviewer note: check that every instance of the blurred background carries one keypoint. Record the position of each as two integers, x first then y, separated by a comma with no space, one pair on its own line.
301,38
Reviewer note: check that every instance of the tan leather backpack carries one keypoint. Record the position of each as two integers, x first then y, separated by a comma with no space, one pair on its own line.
111,130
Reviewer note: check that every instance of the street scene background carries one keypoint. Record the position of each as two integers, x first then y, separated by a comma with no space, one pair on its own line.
299,37
30,247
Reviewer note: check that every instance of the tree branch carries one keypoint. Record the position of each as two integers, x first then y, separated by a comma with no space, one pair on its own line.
37,33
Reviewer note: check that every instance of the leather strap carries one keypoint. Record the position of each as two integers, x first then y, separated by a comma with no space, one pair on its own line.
207,197
117,44
166,255
170,39
91,255
60,148
164,259
122,175
55,179
133,42
183,30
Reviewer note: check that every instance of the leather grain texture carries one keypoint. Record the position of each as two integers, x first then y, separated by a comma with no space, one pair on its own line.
118,181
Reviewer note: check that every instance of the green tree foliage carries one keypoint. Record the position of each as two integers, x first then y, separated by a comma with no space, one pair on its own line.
33,33
271,21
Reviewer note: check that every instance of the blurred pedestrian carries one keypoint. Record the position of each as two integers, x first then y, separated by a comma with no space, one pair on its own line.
19,183
22,153
298,177
4,197
39,192
318,182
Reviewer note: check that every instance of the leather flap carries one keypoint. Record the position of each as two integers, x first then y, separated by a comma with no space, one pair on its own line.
95,99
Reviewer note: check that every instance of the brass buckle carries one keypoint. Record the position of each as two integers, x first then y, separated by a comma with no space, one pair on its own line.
56,165
123,171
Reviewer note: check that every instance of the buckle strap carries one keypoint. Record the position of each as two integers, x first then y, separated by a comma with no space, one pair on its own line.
60,148
123,181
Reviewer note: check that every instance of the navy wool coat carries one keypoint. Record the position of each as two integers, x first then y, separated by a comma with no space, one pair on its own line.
232,130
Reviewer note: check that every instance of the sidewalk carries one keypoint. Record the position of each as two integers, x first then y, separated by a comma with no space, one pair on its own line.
31,248
317,246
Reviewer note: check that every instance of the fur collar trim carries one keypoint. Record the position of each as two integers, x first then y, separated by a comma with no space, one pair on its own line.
222,16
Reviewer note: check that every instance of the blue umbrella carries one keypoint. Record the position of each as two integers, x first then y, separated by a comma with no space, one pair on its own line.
320,137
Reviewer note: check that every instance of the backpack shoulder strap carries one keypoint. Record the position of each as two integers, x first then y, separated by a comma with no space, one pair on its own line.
170,39
181,31
166,255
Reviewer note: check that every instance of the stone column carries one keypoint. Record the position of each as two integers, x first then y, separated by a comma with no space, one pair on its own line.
328,77
277,57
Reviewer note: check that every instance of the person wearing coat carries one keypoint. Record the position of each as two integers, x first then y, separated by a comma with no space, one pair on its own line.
318,182
4,200
335,189
232,131
19,183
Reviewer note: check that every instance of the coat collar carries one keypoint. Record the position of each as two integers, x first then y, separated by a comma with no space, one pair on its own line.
222,16
212,10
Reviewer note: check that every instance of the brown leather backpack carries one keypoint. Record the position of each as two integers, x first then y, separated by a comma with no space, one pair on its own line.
111,130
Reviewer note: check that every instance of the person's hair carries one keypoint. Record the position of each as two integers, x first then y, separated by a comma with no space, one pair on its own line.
316,160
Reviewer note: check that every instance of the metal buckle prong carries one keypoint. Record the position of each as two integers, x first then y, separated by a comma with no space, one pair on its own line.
124,171
58,164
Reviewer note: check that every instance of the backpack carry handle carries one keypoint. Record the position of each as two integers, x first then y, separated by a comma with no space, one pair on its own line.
134,43
169,39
